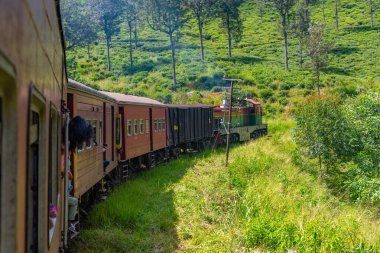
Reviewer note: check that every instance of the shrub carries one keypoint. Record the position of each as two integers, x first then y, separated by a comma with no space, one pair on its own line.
323,130
266,93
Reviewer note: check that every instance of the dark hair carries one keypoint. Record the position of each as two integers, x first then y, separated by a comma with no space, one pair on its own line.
78,132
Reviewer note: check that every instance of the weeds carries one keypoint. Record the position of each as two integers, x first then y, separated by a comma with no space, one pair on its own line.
264,201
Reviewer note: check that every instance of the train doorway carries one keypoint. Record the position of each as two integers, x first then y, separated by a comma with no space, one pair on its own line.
36,174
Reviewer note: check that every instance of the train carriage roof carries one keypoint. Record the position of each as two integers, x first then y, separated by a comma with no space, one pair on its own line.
190,106
130,99
84,88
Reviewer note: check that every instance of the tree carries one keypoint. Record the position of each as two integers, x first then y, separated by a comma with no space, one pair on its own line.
371,10
283,7
318,49
130,13
79,25
337,15
200,10
138,6
166,16
301,26
228,11
108,12
323,10
323,131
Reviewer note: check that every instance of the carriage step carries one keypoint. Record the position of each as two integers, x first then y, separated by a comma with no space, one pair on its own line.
74,229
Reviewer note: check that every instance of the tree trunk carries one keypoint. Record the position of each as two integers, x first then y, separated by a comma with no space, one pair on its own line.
371,11
307,3
229,36
300,52
88,51
336,15
135,34
130,44
200,26
285,42
318,83
323,10
173,62
108,39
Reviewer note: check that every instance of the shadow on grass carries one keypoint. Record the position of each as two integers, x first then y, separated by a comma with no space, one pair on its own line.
241,59
139,216
362,28
167,48
148,65
336,70
344,50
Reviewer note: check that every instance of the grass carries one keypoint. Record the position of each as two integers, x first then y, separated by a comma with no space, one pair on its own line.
262,202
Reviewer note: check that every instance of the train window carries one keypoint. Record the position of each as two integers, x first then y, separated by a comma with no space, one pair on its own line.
135,127
94,140
147,126
163,124
129,126
155,125
88,144
53,168
118,132
141,126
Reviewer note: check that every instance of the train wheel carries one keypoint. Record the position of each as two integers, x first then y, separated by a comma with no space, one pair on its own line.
236,138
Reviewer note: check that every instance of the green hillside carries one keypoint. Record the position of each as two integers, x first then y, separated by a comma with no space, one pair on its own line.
257,59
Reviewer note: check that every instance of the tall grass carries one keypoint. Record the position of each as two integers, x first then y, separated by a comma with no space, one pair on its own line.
262,202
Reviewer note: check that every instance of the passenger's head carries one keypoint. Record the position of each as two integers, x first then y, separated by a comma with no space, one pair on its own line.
79,132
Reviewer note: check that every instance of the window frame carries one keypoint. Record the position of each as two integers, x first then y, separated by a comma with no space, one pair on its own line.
135,127
129,127
141,126
147,126
53,166
37,105
155,125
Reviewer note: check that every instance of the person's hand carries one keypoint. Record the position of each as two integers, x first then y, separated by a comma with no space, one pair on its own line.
70,175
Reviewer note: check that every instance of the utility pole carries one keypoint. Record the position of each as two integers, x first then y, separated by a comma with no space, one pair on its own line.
229,115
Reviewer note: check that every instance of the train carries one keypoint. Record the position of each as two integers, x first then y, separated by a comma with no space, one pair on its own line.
37,102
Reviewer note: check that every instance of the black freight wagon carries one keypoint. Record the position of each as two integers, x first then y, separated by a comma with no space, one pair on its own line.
189,126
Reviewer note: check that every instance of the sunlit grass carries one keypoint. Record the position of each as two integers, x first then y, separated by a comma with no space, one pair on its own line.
261,202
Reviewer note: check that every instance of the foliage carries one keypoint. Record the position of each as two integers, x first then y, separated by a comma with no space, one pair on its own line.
228,11
201,10
323,130
318,49
347,136
257,58
108,13
166,16
283,8
363,113
80,26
